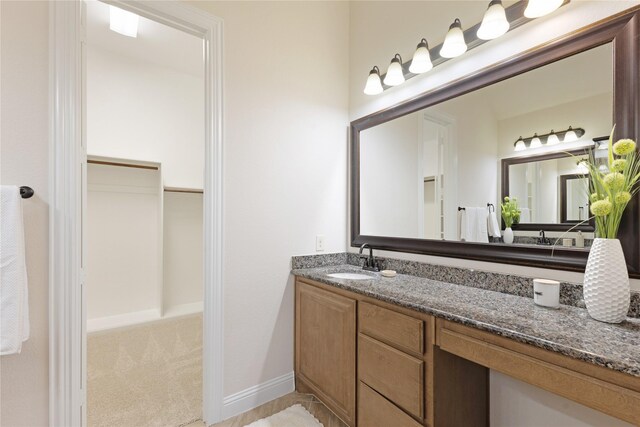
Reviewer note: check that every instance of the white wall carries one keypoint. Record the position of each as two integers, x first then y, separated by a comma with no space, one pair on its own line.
369,45
285,170
183,254
390,178
286,102
124,242
24,381
140,110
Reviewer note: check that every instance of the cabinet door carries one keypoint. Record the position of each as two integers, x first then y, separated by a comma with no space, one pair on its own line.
326,347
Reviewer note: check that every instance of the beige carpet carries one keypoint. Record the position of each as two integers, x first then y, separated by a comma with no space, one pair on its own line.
148,375
294,416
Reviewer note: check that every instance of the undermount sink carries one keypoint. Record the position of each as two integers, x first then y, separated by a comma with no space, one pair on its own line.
350,276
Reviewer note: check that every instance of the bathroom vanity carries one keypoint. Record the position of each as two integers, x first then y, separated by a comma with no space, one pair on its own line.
410,351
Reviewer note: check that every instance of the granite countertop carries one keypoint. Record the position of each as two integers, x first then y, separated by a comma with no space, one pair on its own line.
566,330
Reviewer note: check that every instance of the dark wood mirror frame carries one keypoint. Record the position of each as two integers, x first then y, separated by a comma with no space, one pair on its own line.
623,31
535,226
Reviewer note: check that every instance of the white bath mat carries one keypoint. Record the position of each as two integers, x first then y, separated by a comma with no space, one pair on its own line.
293,416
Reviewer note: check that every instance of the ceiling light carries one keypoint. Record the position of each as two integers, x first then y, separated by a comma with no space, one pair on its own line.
538,8
374,85
395,75
535,142
454,44
123,22
421,62
570,135
552,139
520,145
494,24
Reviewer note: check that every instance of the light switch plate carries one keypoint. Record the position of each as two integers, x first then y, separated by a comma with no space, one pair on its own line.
319,243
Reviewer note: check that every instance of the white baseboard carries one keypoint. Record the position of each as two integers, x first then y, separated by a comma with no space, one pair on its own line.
257,395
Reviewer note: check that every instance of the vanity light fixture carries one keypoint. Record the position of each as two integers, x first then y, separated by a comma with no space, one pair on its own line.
497,20
395,74
538,8
535,141
570,135
454,43
494,24
374,85
551,138
421,62
123,22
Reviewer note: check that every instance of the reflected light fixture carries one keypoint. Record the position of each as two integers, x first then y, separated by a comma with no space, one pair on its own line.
454,43
123,22
421,62
570,135
374,85
395,75
552,139
535,142
538,8
494,24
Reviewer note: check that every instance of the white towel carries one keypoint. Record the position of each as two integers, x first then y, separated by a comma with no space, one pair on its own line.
473,225
525,215
14,295
492,225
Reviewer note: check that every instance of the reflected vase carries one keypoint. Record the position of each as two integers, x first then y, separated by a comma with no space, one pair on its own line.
606,282
507,236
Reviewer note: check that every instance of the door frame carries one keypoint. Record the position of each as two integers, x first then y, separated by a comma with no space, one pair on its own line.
67,168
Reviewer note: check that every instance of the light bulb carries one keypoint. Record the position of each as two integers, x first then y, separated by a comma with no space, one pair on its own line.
421,62
374,85
454,44
520,145
535,142
494,24
123,22
395,75
538,8
552,139
570,135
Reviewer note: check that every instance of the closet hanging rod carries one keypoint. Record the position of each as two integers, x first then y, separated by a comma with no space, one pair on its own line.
123,165
183,190
26,192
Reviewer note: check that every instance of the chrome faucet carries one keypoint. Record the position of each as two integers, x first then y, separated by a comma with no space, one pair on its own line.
370,263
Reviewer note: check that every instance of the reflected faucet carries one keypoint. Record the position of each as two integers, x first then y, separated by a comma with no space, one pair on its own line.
542,239
370,263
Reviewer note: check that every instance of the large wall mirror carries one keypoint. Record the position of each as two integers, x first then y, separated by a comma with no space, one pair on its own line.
428,173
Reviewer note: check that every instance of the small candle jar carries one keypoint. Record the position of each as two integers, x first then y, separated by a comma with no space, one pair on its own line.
546,292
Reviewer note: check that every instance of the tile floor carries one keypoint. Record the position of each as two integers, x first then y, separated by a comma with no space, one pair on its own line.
309,401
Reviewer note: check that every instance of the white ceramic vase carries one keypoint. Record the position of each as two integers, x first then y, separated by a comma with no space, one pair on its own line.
606,282
507,236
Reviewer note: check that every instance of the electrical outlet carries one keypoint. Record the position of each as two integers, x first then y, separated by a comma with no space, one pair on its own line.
319,243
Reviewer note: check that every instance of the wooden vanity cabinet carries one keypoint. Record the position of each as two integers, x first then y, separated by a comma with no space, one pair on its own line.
325,348
373,363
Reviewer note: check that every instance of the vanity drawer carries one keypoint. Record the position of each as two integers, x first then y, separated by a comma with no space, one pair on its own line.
392,373
398,330
376,411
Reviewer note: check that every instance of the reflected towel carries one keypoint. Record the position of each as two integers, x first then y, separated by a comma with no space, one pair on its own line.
14,295
473,225
525,215
493,226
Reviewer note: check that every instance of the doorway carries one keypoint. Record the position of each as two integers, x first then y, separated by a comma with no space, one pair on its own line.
69,190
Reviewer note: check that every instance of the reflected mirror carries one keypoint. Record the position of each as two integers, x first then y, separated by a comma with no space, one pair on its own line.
442,172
